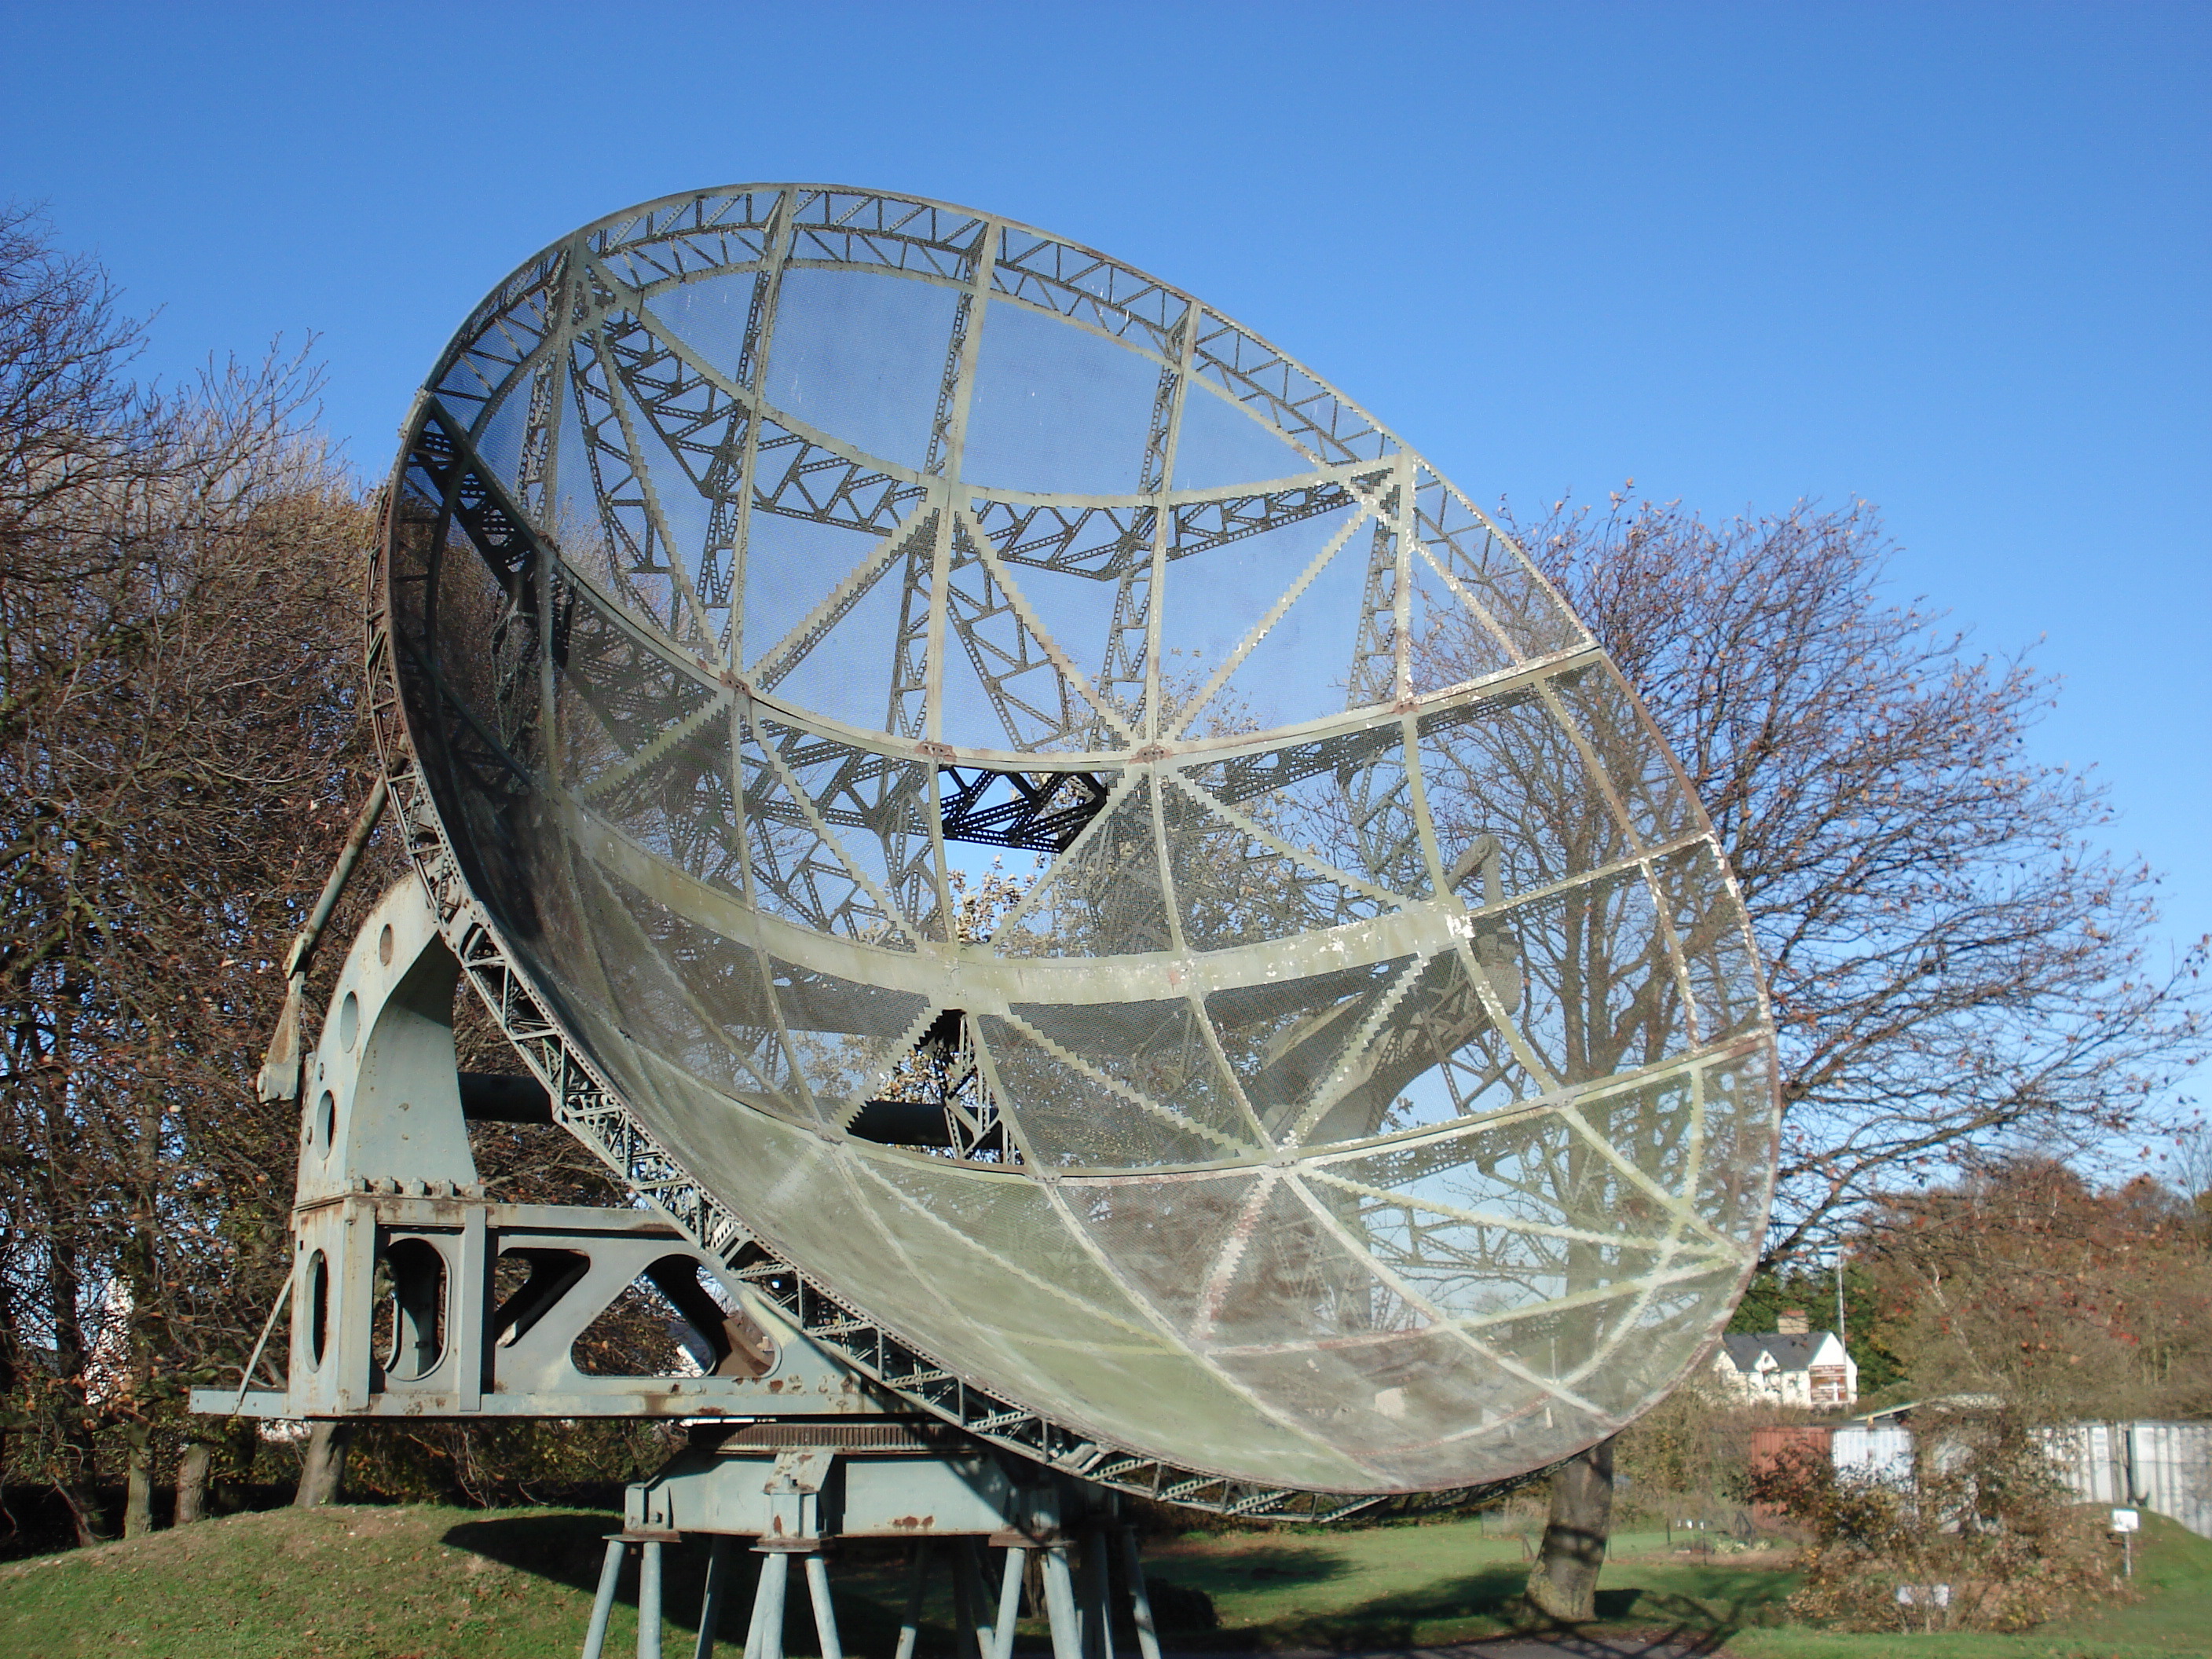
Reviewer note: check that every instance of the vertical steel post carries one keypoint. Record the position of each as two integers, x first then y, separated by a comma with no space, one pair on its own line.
825,1613
1103,1543
1010,1603
1140,1598
1097,1627
765,1639
753,1620
912,1627
471,1287
710,1604
602,1604
963,1607
649,1599
1060,1603
968,1553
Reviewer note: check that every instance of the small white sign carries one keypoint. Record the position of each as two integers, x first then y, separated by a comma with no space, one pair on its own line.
2127,1521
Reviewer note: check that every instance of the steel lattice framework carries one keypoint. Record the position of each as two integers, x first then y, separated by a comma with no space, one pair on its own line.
1044,835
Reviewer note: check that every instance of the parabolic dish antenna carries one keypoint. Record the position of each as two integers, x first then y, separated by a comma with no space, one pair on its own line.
1027,821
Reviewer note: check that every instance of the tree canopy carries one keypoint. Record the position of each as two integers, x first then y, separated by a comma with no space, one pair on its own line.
1960,968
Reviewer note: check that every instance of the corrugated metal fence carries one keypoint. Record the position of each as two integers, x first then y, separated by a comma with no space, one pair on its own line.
1879,1448
2164,1467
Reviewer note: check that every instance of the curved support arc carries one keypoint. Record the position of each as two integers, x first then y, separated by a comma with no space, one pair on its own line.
973,977
1228,746
1528,675
383,1091
1235,376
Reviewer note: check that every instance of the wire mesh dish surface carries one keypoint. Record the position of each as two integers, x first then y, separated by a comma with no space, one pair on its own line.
1081,839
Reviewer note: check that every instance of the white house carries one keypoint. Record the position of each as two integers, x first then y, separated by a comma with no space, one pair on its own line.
1792,1367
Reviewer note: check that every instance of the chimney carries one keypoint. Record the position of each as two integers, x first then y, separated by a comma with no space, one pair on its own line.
1791,1322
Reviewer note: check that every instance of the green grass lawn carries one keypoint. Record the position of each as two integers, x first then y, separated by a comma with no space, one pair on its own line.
2171,1615
1426,1585
424,1582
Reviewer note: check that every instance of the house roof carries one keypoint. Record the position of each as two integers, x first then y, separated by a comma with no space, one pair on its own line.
1937,1402
1791,1353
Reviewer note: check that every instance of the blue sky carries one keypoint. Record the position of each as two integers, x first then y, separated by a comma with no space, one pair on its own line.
1949,258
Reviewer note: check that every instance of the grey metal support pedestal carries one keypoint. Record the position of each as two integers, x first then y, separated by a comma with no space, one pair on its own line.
390,1223
649,1563
797,1487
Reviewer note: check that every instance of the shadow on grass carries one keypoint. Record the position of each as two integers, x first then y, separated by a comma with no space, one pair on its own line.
867,1578
565,1547
1486,1608
1470,1613
1285,1565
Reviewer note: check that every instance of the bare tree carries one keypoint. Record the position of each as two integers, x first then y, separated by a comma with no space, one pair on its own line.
1957,968
175,575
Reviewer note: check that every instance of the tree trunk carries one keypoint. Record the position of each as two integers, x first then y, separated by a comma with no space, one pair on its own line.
138,1467
1563,1584
193,1482
82,1503
323,1473
78,1479
140,1275
10,1334
245,1447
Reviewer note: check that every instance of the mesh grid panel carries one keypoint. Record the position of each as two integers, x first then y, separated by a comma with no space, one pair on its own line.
864,651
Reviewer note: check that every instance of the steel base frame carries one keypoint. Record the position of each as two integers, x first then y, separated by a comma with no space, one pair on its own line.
395,1302
954,1499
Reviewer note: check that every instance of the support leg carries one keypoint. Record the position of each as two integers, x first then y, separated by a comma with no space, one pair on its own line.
963,1607
1059,1604
710,1605
1101,1547
1102,1544
753,1620
825,1615
765,1639
912,1628
1010,1604
1140,1600
967,1552
648,1600
1098,1603
602,1604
